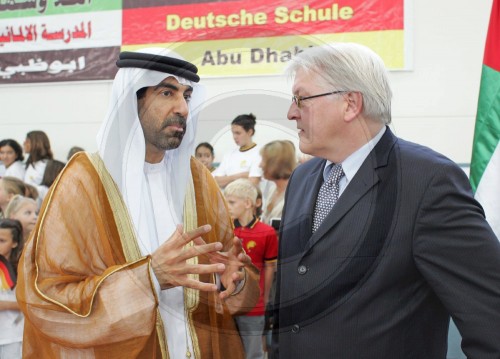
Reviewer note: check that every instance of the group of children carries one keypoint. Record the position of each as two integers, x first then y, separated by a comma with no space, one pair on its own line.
23,185
19,219
11,318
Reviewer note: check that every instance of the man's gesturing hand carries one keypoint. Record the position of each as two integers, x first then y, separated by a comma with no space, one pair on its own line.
169,261
235,261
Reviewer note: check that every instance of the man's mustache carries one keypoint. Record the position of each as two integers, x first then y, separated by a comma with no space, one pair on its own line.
178,121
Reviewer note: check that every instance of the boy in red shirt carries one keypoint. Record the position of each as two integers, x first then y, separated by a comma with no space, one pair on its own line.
261,244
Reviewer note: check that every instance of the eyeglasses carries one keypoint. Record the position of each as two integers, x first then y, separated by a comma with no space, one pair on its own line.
298,99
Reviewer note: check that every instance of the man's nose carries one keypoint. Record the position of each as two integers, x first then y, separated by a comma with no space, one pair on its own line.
182,108
293,112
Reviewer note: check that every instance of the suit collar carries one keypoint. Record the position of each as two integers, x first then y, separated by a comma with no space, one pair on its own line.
361,183
354,161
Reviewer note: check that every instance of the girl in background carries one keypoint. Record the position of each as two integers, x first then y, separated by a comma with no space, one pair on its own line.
37,146
11,319
9,187
52,170
278,163
11,154
204,153
244,161
25,210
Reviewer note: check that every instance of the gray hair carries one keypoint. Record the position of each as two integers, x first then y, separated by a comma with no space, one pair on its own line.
350,67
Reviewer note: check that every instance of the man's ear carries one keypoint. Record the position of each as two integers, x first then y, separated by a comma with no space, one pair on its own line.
354,105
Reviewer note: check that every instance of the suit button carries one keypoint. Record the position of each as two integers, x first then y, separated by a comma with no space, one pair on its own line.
295,328
302,269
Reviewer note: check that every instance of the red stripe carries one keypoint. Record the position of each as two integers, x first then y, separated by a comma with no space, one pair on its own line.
492,49
6,275
149,25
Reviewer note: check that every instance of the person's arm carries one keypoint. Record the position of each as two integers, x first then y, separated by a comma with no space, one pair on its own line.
83,271
459,256
254,180
255,171
221,173
7,305
269,270
76,280
270,262
223,181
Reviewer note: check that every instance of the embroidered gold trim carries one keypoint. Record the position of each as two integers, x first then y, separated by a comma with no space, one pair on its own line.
120,211
191,296
162,339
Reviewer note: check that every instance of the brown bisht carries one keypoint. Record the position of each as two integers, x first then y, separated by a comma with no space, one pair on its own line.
86,290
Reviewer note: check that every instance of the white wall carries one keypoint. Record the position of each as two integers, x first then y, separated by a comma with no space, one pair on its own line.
434,103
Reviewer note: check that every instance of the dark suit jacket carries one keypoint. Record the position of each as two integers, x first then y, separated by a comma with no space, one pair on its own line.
405,246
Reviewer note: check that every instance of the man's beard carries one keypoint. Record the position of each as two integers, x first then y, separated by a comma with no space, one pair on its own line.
173,140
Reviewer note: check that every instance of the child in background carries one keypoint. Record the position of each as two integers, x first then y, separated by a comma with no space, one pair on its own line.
244,161
11,319
9,187
54,167
11,154
204,153
37,146
73,150
261,244
25,210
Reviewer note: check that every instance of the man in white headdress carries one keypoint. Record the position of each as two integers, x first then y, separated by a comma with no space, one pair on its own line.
134,254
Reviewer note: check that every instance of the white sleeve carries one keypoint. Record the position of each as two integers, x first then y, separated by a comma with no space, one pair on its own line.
34,173
255,170
16,170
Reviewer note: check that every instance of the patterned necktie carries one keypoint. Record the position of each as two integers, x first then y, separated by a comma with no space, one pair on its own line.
327,196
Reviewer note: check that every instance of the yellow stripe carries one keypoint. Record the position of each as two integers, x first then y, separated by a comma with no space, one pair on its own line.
389,44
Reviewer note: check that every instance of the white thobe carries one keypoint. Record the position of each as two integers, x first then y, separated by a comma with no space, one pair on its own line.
162,217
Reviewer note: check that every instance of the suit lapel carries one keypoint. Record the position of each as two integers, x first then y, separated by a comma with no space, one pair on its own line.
303,201
315,178
363,181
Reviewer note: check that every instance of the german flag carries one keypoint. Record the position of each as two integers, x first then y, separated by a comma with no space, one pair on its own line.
7,275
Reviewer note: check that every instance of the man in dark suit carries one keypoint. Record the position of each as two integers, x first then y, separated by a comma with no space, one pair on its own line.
381,239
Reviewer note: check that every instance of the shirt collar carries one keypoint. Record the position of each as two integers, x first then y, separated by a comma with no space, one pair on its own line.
352,163
250,225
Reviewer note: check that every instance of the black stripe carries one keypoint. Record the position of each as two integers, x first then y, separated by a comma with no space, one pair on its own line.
159,63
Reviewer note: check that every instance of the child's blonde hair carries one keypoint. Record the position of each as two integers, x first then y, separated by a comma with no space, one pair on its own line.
242,188
13,185
16,203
